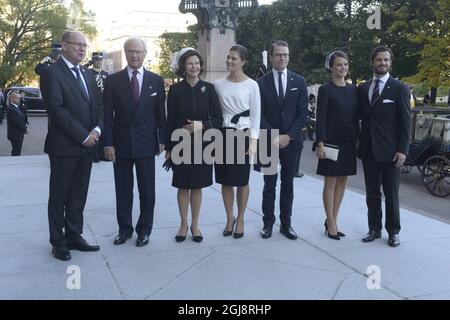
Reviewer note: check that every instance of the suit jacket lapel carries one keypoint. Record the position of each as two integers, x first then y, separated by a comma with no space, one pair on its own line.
71,77
386,89
126,83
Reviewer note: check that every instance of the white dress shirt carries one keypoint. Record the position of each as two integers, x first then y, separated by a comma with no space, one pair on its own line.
383,81
70,65
283,80
139,76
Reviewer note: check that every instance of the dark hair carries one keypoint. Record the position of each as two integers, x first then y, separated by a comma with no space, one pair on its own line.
278,43
332,57
243,52
379,49
181,72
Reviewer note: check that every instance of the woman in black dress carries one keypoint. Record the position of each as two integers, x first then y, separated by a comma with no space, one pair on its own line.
192,105
336,125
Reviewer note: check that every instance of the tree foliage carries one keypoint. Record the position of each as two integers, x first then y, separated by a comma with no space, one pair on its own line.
315,28
27,29
172,42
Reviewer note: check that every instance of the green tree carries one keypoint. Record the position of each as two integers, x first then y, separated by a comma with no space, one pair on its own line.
172,42
27,29
426,24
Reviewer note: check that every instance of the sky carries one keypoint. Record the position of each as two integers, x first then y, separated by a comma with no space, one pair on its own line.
106,10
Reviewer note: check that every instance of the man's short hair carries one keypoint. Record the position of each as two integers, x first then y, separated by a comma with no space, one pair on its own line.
379,49
278,43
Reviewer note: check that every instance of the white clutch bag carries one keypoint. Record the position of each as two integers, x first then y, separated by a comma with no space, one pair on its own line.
331,151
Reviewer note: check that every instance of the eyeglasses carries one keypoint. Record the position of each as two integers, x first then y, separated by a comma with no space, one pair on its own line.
279,55
78,44
136,52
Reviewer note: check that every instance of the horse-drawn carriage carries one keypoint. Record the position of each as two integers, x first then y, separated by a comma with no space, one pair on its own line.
429,149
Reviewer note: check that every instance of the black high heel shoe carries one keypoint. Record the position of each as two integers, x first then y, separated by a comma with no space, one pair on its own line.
329,235
181,238
227,233
197,238
238,235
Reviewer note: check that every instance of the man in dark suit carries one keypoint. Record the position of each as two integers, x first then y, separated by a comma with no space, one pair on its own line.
384,105
284,106
17,122
75,112
134,132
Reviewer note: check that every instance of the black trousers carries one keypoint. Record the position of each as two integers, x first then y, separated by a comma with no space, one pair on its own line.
297,161
123,177
69,183
377,174
288,159
16,147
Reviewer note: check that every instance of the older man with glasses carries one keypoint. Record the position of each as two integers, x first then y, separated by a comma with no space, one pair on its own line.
134,133
75,112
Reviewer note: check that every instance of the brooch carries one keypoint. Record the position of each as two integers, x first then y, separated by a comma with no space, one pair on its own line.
203,89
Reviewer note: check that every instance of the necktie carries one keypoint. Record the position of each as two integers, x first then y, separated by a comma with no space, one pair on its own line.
376,91
280,88
80,82
135,86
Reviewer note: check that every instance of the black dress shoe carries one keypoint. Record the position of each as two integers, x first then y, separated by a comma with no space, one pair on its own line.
394,240
266,232
299,175
142,241
81,245
288,232
121,238
61,253
372,235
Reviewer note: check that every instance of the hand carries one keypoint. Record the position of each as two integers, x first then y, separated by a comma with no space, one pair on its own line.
399,159
252,147
284,140
92,139
167,155
320,151
161,148
110,153
193,126
281,141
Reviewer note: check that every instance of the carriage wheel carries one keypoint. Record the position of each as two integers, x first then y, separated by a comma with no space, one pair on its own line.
405,169
436,176
419,168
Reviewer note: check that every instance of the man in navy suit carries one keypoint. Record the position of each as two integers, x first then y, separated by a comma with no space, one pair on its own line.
284,106
135,131
384,104
17,122
75,114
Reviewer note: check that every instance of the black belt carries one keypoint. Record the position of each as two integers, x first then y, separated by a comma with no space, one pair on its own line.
236,117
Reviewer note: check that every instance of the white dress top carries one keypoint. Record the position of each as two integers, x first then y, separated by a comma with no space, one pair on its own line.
237,97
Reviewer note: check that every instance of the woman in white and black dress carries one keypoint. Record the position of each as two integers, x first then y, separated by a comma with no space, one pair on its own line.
336,125
192,105
241,109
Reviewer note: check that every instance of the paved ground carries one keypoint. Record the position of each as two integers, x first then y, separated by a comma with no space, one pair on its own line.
312,267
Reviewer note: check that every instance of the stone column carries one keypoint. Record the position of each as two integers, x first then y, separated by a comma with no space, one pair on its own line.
218,21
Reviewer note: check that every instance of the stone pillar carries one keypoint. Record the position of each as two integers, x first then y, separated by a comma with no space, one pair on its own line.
218,21
215,51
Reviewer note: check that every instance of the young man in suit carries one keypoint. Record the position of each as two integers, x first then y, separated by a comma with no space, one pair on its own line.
284,106
75,112
17,122
384,104
134,132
